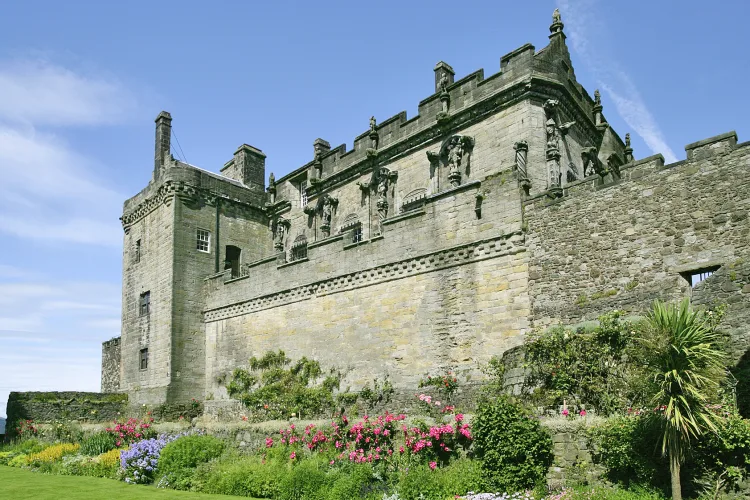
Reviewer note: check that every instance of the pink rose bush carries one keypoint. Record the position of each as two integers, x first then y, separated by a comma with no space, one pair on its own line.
380,439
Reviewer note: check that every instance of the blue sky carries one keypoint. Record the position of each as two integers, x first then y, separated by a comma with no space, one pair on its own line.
82,81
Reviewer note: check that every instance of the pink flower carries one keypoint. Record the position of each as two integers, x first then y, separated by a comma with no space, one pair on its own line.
293,455
269,442
433,465
565,412
582,413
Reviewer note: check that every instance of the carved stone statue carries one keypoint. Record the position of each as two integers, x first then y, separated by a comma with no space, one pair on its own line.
280,233
552,138
556,18
443,83
327,213
627,140
271,180
454,153
597,98
591,163
373,124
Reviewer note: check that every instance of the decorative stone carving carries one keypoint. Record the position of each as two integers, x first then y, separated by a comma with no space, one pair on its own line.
598,119
272,187
445,100
456,152
381,182
414,199
326,205
280,227
591,163
628,149
522,150
613,163
553,149
572,173
374,138
434,159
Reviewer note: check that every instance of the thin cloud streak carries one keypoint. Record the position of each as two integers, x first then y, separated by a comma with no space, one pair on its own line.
581,26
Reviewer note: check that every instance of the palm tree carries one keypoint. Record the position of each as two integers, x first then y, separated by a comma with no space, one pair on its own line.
685,362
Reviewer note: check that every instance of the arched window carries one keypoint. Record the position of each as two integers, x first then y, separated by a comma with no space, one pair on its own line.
299,248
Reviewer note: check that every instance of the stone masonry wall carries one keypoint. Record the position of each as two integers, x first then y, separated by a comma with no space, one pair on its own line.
45,407
621,245
439,289
111,365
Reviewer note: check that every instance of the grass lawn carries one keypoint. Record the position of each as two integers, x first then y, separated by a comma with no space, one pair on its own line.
20,484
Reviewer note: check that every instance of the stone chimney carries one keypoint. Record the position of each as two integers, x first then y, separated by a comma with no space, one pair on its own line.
443,69
250,164
162,143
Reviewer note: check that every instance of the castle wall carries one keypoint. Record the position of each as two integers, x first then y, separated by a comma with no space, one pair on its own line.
622,245
111,365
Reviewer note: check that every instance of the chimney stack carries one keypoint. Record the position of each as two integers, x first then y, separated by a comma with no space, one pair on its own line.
163,137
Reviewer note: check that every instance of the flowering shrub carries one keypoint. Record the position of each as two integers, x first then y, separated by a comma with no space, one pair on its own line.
526,495
373,440
139,463
110,458
131,431
446,385
51,454
26,429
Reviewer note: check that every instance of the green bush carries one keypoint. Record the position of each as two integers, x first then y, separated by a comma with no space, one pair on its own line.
422,483
98,443
247,476
178,459
515,451
628,449
356,481
275,388
306,481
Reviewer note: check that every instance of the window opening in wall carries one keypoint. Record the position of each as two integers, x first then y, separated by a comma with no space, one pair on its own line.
203,241
232,260
697,275
144,359
299,248
138,250
357,234
144,304
303,193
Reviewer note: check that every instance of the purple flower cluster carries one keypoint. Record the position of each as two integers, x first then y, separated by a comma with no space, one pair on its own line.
138,464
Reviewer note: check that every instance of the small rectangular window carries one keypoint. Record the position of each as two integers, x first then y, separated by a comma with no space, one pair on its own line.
697,275
303,193
203,241
144,359
357,234
138,250
144,304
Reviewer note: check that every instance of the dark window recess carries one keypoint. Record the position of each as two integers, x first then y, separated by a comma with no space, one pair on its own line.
299,248
232,260
138,250
144,359
144,304
696,276
357,234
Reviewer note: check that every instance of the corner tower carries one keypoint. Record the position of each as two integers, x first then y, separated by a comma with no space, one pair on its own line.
185,226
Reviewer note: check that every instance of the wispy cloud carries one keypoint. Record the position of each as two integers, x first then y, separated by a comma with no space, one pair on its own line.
48,188
582,26
39,92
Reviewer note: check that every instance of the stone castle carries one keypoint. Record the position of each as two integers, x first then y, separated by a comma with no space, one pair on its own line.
507,204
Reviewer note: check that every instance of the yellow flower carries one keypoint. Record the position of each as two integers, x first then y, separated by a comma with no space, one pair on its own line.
52,454
110,458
